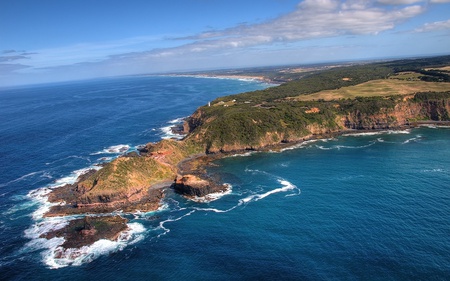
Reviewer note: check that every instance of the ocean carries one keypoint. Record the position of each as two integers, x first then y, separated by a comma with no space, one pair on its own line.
370,206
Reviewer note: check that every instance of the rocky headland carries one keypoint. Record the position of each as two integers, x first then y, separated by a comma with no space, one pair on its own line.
264,120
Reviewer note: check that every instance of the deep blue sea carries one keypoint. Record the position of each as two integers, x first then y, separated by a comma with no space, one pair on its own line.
372,206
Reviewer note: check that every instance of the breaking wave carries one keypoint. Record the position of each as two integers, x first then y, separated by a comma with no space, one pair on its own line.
114,149
212,196
167,132
389,132
54,256
286,186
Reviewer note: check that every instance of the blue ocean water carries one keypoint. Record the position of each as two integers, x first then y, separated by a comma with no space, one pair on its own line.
362,207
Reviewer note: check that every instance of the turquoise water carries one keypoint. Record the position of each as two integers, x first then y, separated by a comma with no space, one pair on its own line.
365,207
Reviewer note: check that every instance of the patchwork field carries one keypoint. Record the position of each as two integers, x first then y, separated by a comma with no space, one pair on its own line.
382,87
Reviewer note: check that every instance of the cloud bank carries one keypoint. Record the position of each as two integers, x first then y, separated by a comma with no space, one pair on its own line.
311,20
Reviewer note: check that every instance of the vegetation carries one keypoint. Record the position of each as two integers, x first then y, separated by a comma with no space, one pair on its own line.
382,87
370,96
315,103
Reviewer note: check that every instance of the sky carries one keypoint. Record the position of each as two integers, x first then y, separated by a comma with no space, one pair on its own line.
59,40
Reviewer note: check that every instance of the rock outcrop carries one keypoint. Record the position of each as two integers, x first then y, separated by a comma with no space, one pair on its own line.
257,127
84,232
193,186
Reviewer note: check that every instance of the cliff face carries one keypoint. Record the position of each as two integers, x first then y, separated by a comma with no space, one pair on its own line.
404,113
253,128
126,182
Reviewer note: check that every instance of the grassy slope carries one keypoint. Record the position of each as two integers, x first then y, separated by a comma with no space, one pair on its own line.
264,117
254,119
378,88
126,175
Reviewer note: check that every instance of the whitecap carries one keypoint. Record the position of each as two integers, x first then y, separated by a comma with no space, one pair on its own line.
338,147
168,133
212,196
72,178
301,145
45,226
246,154
114,149
325,148
287,186
167,230
178,120
388,132
21,178
415,139
56,257
40,196
437,170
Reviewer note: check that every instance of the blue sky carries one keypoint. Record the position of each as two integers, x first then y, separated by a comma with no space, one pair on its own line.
56,40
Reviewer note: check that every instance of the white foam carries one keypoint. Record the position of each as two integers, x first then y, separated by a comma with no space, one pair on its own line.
114,149
301,145
56,257
168,134
177,120
388,132
20,178
167,230
434,126
40,195
212,196
415,139
287,186
438,170
45,226
72,178
246,154
167,130
338,147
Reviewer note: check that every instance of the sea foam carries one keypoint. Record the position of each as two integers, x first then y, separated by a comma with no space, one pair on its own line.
212,196
388,132
54,256
114,149
167,132
287,186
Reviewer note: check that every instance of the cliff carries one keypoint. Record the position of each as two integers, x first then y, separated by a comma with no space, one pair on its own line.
253,127
259,120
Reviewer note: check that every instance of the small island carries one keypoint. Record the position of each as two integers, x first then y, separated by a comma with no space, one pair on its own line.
314,104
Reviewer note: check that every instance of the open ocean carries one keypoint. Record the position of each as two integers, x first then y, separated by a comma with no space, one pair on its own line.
372,206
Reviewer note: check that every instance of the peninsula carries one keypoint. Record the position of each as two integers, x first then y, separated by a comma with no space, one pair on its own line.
313,104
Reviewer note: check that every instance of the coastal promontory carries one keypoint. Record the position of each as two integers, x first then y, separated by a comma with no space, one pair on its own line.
361,97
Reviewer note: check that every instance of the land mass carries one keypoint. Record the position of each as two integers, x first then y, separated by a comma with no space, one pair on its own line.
334,100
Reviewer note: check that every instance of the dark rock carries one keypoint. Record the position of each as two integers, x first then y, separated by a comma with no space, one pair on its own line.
86,231
191,186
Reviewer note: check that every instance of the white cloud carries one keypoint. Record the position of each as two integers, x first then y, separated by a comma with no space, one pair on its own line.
311,19
399,2
434,26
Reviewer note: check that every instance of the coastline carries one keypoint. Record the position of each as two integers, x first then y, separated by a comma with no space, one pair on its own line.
263,79
196,164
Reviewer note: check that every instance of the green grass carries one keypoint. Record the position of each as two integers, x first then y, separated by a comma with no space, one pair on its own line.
377,88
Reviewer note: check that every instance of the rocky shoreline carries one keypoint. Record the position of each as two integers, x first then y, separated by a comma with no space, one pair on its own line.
191,181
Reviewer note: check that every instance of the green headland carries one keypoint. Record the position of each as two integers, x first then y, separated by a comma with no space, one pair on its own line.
314,103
